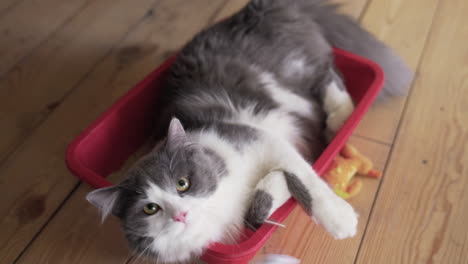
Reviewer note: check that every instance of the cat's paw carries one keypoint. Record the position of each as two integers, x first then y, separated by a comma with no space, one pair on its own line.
337,216
337,118
259,209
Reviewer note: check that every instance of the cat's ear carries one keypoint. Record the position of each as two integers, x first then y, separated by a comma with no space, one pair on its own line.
176,133
105,200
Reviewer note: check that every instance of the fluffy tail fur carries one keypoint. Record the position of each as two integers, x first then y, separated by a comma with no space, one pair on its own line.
343,32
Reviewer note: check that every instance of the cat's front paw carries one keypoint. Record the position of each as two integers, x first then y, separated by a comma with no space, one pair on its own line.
336,216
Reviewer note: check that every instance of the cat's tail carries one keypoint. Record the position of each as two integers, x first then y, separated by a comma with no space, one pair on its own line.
345,33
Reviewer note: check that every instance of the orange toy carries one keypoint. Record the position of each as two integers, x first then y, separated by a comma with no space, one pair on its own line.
340,174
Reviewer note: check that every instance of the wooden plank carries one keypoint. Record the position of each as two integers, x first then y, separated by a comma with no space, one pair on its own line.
353,8
43,190
404,25
309,242
74,234
231,7
29,23
42,80
8,5
420,215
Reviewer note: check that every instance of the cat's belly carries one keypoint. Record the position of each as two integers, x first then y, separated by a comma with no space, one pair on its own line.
297,119
280,123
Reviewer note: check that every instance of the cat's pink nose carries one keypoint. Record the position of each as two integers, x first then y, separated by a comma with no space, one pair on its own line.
180,217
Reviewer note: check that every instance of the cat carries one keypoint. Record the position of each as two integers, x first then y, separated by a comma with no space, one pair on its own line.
248,104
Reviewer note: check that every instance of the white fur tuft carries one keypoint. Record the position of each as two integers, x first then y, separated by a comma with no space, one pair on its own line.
338,106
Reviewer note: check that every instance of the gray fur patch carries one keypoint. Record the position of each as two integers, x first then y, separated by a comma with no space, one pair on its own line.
140,243
312,133
299,192
166,165
218,160
345,33
259,209
225,88
236,134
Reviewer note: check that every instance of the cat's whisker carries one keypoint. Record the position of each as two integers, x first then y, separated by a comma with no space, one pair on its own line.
223,172
274,223
147,253
138,256
249,225
228,233
238,230
157,258
144,251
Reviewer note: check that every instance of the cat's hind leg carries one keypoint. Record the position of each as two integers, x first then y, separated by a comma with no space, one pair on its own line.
336,102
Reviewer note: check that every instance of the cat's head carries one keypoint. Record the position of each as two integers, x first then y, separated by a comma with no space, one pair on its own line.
167,203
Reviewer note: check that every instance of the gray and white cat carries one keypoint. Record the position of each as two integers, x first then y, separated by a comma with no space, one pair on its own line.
249,103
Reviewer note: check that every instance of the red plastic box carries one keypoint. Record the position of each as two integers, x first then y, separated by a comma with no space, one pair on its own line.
106,144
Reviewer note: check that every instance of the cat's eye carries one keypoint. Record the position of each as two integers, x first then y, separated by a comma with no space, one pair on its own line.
151,209
183,184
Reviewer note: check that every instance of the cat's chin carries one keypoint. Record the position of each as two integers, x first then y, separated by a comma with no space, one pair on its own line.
184,244
179,228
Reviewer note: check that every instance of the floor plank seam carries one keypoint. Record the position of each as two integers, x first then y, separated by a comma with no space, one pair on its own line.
373,140
363,11
46,38
397,132
10,7
212,18
40,122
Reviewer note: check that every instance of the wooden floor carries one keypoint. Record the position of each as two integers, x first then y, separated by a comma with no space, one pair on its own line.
64,62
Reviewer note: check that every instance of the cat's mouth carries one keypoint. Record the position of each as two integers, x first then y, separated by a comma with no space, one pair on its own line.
182,225
179,230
